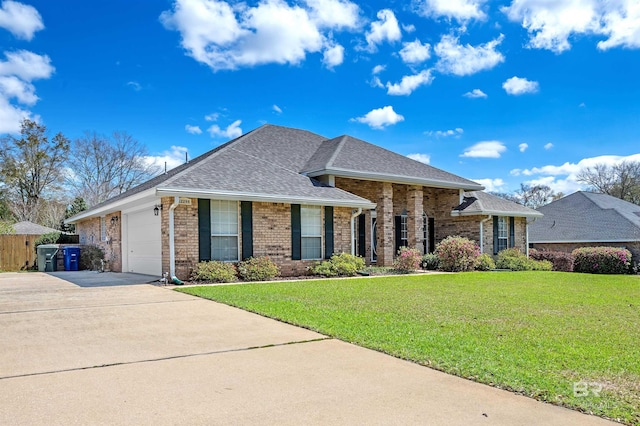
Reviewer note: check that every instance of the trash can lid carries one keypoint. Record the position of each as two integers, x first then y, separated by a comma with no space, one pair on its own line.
49,246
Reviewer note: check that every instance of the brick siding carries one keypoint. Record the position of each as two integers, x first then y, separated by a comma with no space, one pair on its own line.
89,234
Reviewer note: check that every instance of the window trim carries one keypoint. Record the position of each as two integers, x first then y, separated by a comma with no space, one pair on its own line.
503,222
237,234
103,228
304,207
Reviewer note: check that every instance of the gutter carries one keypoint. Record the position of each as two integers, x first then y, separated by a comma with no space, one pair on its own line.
172,245
353,221
482,232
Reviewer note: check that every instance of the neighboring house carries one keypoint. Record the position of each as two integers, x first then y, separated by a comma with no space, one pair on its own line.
30,228
586,219
297,197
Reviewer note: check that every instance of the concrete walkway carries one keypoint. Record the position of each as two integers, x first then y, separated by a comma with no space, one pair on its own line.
147,355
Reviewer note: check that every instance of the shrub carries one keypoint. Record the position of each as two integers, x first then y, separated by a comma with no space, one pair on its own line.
343,264
430,262
91,258
561,261
408,260
484,262
515,260
258,269
602,260
457,254
50,238
214,271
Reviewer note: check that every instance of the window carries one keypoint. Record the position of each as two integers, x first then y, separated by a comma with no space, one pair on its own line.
425,233
503,235
404,231
103,229
311,232
224,230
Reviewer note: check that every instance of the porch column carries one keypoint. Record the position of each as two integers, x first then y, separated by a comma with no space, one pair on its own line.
384,211
414,217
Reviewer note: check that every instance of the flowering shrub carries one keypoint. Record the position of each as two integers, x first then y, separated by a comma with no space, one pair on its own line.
484,262
602,260
408,260
561,261
343,264
258,269
515,260
430,262
457,254
214,272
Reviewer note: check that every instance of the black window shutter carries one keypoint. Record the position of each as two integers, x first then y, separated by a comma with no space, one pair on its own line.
361,235
432,234
512,232
495,235
328,231
204,229
296,233
246,212
398,232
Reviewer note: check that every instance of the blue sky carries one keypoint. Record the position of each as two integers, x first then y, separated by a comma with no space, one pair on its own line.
501,92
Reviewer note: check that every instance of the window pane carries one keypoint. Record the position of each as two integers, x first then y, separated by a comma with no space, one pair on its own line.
224,248
311,248
224,217
311,221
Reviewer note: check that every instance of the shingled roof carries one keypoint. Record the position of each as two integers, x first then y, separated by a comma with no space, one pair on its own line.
481,203
351,157
587,217
30,228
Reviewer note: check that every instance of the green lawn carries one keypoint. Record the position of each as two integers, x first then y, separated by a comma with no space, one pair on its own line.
535,333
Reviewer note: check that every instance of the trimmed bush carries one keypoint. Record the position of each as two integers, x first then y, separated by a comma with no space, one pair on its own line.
214,271
343,264
258,269
91,258
408,260
561,261
50,238
430,262
484,262
602,260
515,260
457,254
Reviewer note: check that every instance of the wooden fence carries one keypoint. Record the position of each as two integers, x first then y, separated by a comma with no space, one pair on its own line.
17,252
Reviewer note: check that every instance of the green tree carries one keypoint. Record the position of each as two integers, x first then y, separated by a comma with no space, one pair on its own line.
31,168
78,205
6,228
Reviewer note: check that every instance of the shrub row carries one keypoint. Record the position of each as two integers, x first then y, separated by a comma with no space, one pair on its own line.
561,261
515,260
253,269
602,260
340,265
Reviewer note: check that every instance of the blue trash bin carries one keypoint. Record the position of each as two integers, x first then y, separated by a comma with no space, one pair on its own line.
71,258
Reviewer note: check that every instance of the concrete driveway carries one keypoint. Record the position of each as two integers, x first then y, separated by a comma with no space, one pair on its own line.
147,355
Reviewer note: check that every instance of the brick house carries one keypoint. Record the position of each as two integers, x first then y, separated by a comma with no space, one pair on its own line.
297,197
586,219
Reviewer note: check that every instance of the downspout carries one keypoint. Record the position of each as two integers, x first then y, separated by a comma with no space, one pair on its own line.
172,246
482,233
353,230
526,227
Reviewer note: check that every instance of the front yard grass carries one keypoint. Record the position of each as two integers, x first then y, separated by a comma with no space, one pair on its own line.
565,338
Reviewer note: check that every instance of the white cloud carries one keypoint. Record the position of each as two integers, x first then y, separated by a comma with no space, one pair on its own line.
548,146
520,86
194,130
461,10
384,29
26,65
475,94
134,85
212,117
11,116
423,158
485,149
378,69
551,24
231,36
173,158
461,60
445,133
232,131
277,109
409,83
20,19
414,52
523,147
333,56
408,28
380,118
491,185
12,87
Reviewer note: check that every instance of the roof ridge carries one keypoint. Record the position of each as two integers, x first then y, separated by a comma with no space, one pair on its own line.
343,141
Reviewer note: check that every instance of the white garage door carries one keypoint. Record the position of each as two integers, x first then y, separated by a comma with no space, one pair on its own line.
144,244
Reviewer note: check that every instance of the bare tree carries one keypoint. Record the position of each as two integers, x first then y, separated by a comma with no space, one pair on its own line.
104,167
620,180
31,168
530,196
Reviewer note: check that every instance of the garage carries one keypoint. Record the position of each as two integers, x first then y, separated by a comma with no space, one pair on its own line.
143,243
